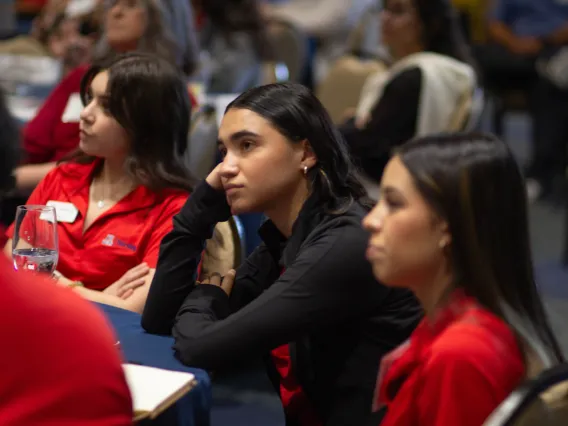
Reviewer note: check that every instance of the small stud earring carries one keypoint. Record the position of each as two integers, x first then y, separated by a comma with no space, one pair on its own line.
305,170
443,244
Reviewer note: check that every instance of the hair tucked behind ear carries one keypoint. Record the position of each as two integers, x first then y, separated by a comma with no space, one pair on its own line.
298,115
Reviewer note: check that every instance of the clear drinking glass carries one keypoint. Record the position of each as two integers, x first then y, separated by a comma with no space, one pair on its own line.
35,245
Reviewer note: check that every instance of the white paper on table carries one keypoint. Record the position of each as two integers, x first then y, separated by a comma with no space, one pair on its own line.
153,389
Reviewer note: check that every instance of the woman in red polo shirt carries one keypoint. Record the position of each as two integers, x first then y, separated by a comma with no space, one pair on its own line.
451,225
54,132
126,182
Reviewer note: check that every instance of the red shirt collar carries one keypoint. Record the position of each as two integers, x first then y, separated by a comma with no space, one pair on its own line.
76,179
399,363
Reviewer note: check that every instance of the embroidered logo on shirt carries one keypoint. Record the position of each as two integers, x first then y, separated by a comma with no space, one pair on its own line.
108,240
125,245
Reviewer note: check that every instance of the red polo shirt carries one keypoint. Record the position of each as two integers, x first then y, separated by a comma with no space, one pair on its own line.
58,359
124,236
455,370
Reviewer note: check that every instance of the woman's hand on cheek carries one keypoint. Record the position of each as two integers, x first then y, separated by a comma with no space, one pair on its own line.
214,178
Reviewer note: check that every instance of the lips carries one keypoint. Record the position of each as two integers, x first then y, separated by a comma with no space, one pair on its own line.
374,253
232,188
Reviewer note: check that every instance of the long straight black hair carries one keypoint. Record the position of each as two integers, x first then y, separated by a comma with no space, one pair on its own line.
298,115
148,97
474,183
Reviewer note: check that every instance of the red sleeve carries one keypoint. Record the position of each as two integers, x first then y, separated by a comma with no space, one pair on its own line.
38,139
465,381
40,195
164,224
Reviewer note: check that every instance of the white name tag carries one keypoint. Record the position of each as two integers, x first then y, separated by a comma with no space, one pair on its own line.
65,212
72,113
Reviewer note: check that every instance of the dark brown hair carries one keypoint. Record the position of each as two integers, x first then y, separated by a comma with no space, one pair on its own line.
148,97
442,32
473,182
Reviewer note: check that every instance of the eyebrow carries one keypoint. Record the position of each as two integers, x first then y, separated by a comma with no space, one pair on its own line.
239,135
385,190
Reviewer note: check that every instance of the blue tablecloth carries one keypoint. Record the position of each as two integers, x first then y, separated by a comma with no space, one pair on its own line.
156,351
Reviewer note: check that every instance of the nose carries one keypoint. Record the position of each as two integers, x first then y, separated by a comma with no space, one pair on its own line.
86,114
115,10
373,222
229,167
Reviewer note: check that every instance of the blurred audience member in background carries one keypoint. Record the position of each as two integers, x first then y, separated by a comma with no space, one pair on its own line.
40,384
180,20
125,183
59,33
54,132
233,43
327,22
452,226
522,33
420,93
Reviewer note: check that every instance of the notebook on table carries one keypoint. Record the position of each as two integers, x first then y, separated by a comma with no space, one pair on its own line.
154,390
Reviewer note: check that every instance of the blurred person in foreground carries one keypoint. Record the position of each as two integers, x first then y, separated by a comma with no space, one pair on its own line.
451,225
59,362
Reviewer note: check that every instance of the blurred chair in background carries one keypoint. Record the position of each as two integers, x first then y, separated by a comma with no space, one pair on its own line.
226,249
340,89
540,401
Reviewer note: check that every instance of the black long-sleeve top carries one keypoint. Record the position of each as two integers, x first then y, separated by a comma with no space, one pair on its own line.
392,122
338,320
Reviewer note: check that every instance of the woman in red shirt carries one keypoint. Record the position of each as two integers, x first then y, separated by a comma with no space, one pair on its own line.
117,195
451,225
54,132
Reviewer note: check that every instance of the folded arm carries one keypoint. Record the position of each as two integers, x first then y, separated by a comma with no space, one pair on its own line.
180,255
317,290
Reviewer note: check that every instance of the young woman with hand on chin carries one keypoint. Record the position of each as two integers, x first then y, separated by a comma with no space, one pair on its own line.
306,298
451,225
126,181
